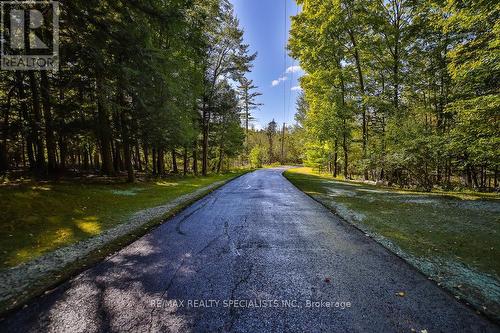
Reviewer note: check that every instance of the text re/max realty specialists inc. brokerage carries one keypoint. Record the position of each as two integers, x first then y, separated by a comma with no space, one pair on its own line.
246,303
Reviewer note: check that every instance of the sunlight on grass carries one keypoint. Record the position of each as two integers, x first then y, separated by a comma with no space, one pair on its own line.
23,255
62,236
312,192
41,188
124,193
164,183
38,218
89,224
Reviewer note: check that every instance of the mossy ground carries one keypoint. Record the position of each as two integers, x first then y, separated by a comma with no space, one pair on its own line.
36,218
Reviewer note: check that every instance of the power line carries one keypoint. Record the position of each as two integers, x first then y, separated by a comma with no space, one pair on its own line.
291,78
285,35
285,38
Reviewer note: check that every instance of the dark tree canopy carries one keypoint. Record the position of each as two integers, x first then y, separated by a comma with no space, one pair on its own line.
140,82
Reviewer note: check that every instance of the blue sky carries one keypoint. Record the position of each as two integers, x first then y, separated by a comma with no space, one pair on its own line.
264,25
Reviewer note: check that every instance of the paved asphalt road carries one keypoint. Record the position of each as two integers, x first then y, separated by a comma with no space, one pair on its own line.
256,241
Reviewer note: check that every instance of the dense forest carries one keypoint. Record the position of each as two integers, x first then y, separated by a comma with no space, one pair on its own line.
142,86
401,92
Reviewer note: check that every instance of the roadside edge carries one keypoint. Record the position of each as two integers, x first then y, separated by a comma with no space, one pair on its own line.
22,283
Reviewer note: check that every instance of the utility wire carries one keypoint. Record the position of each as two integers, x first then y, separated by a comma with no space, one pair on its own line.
291,78
285,38
285,35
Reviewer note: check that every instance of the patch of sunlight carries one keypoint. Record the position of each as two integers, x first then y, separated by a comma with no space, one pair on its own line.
337,192
89,225
62,236
41,188
444,194
313,192
24,255
130,193
375,191
353,183
164,183
423,200
465,196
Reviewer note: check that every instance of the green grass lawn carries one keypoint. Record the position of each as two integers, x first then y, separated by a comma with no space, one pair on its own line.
453,237
36,218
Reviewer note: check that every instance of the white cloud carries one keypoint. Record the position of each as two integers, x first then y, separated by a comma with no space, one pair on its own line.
289,70
296,88
279,80
294,69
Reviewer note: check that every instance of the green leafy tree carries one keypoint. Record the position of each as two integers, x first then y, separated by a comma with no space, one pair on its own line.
256,157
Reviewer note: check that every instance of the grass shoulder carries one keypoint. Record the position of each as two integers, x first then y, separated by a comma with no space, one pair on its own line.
39,217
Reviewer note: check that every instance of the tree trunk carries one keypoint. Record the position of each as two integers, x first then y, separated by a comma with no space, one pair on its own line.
396,77
496,177
468,176
104,131
206,129
49,126
344,122
195,159
4,158
138,160
474,177
125,132
37,112
346,155
335,159
86,158
160,166
145,149
27,118
362,90
128,161
127,153
117,160
221,156
185,162
155,170
62,141
174,162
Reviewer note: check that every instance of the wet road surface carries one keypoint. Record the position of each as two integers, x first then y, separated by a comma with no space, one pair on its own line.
257,255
